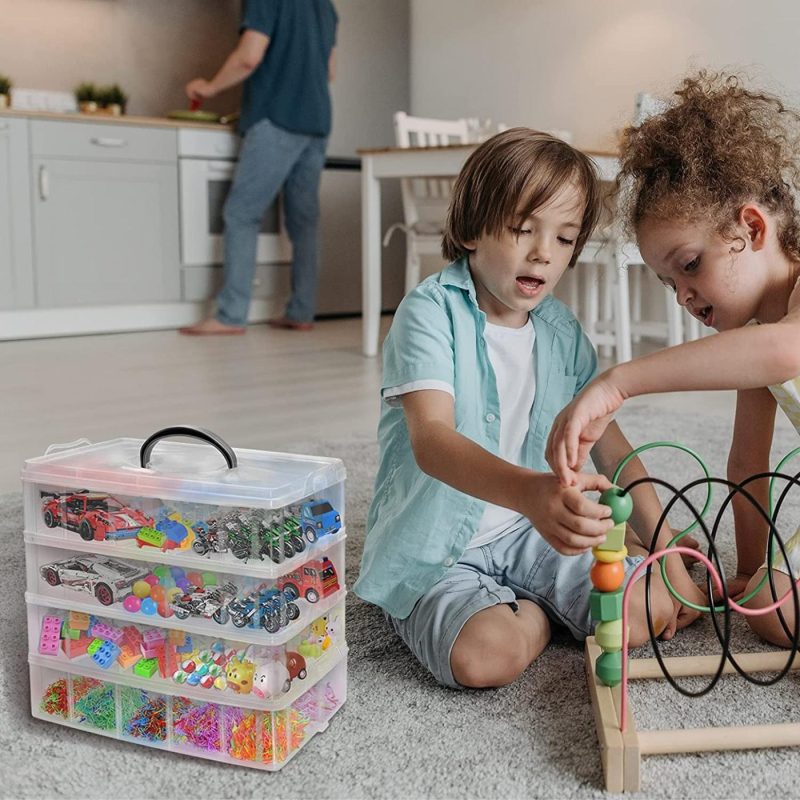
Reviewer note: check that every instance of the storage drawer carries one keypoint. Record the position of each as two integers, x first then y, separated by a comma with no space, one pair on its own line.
107,142
203,283
185,597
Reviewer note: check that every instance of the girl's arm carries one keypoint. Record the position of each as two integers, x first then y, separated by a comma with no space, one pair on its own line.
744,358
565,518
749,455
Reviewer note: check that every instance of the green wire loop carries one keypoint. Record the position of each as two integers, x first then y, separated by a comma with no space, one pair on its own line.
686,531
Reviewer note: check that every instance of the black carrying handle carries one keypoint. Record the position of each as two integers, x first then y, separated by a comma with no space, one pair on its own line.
188,430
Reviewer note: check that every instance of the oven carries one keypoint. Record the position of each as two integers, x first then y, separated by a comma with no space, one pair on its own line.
207,160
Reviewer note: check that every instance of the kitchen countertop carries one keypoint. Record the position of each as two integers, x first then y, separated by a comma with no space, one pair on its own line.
108,119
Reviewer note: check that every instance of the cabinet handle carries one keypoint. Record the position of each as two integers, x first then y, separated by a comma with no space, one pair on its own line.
221,169
105,141
44,183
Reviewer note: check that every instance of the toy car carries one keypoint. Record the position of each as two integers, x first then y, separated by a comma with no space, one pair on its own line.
296,665
205,603
108,579
313,580
94,516
319,518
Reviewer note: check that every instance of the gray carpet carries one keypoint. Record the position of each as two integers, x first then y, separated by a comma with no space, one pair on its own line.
402,736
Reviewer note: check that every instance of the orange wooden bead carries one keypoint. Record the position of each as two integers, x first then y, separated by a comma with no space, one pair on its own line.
607,577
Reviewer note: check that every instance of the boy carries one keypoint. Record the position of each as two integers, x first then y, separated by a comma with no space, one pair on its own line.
473,547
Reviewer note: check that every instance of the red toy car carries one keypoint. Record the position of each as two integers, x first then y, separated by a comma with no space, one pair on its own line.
313,580
296,665
94,516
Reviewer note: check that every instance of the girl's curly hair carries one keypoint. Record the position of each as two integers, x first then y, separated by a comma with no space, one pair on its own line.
714,148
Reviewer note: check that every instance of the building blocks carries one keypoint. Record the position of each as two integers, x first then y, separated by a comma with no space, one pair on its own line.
50,636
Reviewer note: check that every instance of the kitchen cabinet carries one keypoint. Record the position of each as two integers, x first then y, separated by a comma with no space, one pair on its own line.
105,215
16,254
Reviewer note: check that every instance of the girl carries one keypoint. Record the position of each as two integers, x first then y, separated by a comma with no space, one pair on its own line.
709,193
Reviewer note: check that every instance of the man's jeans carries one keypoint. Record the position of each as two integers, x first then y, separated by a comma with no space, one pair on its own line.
270,159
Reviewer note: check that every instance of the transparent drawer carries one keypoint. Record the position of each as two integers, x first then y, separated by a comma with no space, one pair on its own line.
181,498
145,591
170,659
198,727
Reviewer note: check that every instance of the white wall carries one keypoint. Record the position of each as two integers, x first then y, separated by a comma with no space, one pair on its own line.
578,64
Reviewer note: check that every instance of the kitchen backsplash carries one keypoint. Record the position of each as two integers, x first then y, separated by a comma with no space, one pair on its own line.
150,47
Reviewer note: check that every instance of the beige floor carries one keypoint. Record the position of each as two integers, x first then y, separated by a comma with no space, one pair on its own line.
266,390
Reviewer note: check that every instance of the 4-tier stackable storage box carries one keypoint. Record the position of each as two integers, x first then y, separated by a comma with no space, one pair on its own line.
187,596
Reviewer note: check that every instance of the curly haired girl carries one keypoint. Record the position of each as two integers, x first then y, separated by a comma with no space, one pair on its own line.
708,187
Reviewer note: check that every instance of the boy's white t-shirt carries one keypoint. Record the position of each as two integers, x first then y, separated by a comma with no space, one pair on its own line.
510,352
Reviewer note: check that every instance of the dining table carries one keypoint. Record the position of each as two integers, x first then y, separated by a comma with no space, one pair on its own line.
384,163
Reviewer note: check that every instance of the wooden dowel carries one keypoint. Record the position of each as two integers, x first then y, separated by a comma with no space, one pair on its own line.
683,666
695,740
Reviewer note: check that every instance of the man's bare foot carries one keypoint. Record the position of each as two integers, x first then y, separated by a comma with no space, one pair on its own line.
213,327
290,324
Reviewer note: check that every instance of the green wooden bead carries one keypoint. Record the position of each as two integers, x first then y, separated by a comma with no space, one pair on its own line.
620,503
615,538
606,605
608,668
609,635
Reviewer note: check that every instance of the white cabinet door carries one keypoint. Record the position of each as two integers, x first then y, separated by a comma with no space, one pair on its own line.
16,259
106,232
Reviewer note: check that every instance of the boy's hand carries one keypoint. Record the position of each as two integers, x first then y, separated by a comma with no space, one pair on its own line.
579,426
569,522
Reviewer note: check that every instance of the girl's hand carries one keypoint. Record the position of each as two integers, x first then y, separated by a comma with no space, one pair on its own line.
682,615
737,585
567,520
579,426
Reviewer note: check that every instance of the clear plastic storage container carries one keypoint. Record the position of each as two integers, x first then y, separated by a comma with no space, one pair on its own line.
184,598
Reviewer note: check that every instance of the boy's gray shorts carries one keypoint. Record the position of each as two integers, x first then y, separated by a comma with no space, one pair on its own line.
520,564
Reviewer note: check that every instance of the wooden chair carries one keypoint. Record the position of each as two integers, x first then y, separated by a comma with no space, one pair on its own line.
612,310
425,200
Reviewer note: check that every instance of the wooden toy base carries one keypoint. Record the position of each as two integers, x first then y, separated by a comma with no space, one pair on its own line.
621,753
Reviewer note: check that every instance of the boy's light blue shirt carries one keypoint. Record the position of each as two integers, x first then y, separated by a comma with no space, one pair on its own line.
417,526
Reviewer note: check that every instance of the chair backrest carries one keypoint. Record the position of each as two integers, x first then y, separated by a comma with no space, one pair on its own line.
426,199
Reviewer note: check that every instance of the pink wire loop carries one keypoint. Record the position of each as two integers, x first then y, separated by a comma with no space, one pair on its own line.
637,573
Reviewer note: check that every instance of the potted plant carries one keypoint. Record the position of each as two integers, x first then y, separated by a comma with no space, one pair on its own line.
86,95
114,99
5,91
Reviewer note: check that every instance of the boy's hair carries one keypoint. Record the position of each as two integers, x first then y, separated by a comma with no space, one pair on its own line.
507,178
715,148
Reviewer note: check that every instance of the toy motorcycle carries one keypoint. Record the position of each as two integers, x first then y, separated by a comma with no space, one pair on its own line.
269,607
